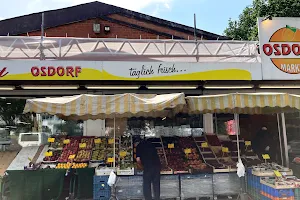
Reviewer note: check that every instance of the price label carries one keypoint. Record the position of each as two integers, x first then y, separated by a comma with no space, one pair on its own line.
67,141
72,156
225,149
110,160
187,151
248,143
171,146
123,154
51,140
277,174
82,145
111,141
49,154
97,141
204,145
266,156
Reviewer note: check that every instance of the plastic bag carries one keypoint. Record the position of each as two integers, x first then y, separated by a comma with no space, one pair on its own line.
112,179
240,169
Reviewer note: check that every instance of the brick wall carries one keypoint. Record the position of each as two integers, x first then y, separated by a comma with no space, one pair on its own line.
84,29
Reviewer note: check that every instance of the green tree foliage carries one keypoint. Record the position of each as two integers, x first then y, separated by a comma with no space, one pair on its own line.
245,28
11,115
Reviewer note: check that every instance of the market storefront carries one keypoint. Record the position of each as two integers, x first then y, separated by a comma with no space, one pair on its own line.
156,93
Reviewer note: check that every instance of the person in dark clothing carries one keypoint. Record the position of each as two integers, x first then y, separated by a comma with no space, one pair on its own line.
146,155
264,143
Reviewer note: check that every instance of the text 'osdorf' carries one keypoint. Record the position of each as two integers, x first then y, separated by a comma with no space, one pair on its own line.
72,71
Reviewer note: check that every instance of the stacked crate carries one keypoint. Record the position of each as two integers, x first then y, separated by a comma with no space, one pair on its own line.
254,185
268,192
101,190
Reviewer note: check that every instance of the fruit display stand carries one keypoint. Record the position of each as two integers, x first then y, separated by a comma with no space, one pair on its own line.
157,142
98,151
126,166
193,158
208,155
176,158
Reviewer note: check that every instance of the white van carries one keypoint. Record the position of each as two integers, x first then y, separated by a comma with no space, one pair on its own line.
33,139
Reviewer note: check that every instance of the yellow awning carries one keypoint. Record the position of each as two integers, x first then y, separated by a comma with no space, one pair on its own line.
244,103
84,107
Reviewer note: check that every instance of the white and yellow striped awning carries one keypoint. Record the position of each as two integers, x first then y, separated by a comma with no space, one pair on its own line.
244,103
84,107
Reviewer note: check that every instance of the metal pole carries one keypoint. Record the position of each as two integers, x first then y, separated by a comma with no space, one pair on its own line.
42,55
237,131
280,141
114,143
285,140
195,28
195,36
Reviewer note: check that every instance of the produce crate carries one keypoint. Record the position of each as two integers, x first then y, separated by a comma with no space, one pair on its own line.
170,186
129,187
226,184
196,185
101,194
101,182
297,194
125,172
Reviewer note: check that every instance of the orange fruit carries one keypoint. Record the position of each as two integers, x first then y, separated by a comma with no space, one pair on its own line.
288,35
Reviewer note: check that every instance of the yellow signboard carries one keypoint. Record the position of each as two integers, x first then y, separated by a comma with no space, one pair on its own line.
51,140
130,71
82,145
248,143
110,160
277,173
111,141
72,156
97,141
266,156
49,154
171,146
225,149
187,151
204,145
123,153
67,141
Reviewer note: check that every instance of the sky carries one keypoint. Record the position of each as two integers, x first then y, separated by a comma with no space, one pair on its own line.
211,15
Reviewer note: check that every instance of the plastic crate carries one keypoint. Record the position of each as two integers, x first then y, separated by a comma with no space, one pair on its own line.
101,194
100,183
226,184
276,193
196,185
169,186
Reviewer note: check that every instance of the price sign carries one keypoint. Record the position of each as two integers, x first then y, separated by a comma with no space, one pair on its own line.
82,145
97,141
204,145
266,156
187,151
67,141
49,154
171,146
110,160
277,174
111,141
51,140
123,153
72,156
248,143
225,149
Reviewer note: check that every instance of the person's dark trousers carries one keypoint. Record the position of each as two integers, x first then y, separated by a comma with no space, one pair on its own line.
151,176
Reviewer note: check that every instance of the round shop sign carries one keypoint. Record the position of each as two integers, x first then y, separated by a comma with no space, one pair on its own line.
283,49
